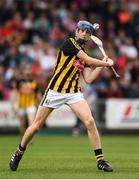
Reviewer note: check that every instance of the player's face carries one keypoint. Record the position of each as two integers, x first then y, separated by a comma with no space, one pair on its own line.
82,34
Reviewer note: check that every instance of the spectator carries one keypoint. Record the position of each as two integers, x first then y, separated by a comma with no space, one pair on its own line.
26,27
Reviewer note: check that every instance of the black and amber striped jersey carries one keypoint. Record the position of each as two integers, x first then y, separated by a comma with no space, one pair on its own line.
66,73
27,90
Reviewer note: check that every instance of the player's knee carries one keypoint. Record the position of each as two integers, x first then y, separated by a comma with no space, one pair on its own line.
35,127
89,123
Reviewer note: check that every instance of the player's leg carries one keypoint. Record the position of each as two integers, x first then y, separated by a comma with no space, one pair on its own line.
31,111
41,116
31,114
82,110
51,100
22,125
22,119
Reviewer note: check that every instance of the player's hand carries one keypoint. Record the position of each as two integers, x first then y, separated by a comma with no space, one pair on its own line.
105,59
108,60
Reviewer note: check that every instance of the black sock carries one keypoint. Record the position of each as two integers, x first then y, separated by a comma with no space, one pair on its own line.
21,148
99,154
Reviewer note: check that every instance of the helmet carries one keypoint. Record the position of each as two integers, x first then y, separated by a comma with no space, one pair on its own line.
85,25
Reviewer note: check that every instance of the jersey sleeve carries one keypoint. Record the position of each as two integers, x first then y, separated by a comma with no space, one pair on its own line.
70,47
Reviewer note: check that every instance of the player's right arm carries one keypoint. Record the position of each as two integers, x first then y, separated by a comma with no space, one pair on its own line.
93,61
70,47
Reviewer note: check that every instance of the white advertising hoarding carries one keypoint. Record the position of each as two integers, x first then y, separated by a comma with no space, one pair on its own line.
7,117
62,117
122,113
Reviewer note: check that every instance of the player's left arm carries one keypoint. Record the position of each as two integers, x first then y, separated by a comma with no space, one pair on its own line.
90,74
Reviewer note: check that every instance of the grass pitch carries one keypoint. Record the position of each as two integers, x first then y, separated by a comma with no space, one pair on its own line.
67,157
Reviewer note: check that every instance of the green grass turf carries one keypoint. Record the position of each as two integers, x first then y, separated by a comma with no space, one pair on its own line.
67,157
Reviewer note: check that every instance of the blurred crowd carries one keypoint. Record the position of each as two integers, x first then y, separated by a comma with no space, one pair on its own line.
31,32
